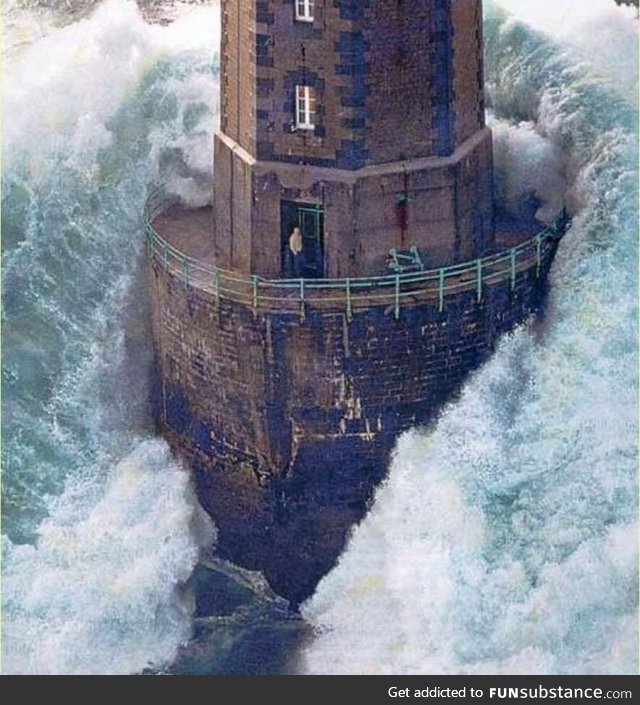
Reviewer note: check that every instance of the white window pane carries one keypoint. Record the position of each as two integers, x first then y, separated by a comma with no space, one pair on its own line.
305,106
304,10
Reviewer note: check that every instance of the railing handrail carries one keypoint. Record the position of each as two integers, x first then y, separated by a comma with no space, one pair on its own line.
471,275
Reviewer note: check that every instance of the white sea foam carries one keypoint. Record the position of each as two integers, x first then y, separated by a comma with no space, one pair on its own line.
101,526
505,539
99,590
529,165
600,32
101,593
84,72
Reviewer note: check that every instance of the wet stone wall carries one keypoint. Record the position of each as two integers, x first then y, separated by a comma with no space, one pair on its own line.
288,425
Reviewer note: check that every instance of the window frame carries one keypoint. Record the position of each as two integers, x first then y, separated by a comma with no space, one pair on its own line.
306,100
304,10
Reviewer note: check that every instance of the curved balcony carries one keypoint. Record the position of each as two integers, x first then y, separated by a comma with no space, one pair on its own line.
350,294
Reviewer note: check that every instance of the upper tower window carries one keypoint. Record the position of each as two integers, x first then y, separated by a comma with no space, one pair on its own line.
305,107
304,10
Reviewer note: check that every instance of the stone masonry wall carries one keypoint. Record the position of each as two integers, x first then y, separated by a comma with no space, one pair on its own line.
399,90
449,216
238,72
394,80
288,426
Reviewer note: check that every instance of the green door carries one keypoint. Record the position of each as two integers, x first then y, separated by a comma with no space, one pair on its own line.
310,219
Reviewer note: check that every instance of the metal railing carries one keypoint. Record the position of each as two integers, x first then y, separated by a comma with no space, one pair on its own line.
350,294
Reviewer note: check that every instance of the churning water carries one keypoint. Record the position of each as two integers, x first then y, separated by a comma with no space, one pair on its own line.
505,538
100,525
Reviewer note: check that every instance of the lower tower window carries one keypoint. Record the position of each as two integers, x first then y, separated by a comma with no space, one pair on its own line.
305,107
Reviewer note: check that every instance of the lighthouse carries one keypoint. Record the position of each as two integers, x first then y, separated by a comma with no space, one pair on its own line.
349,275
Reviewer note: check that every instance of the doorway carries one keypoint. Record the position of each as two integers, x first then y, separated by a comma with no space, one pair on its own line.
309,218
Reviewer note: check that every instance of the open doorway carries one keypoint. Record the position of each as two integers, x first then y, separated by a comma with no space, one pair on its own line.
303,254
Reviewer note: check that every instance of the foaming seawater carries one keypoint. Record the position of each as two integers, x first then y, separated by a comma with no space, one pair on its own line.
529,168
99,524
505,538
100,591
599,33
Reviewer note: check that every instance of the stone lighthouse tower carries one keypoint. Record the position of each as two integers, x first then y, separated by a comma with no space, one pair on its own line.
348,277
362,121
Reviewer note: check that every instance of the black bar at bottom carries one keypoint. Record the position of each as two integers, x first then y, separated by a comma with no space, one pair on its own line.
364,690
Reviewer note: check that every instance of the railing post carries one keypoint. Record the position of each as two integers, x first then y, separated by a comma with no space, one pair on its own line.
538,254
513,268
216,282
397,312
479,283
254,281
440,290
150,241
349,311
185,266
302,306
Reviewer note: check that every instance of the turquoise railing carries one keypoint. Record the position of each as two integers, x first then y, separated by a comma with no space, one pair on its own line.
352,293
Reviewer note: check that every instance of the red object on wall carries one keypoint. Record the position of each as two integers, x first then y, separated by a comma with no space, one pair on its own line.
402,217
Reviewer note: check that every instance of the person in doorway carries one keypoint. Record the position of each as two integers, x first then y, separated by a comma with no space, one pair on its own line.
295,253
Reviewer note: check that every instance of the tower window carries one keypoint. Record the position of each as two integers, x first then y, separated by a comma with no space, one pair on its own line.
304,10
305,107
